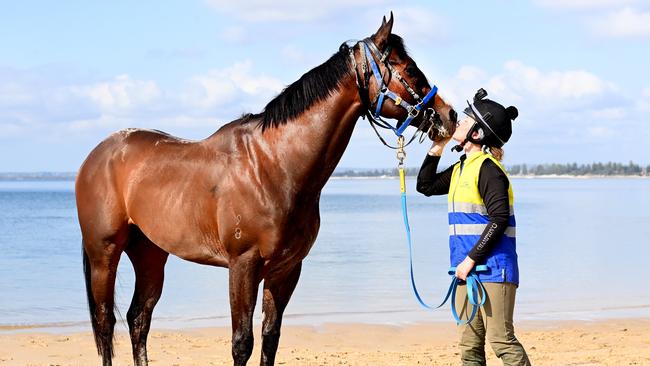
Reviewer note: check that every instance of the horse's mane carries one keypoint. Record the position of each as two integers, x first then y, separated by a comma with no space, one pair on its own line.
312,87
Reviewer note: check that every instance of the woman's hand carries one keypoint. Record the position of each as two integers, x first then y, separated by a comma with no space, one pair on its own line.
463,269
438,147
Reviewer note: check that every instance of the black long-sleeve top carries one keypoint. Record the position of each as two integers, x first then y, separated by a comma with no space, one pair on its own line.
492,186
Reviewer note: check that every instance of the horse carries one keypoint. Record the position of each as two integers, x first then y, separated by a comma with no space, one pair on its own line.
245,198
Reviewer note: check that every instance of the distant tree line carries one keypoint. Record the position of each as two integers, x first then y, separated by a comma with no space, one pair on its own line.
361,173
574,169
37,176
571,169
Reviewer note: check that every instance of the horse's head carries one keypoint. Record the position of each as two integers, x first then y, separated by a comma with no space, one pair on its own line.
397,79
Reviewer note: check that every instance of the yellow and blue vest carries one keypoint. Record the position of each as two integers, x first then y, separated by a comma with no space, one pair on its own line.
468,219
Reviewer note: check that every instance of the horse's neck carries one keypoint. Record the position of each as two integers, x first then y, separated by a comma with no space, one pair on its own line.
311,146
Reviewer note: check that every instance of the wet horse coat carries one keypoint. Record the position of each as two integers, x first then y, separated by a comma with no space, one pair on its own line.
245,198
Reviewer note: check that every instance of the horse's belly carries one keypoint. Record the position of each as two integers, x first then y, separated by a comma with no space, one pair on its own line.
184,226
192,245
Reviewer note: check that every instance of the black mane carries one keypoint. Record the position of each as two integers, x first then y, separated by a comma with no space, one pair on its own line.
314,86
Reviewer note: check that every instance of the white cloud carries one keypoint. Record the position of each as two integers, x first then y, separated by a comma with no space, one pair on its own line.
626,22
644,102
518,82
419,25
575,105
120,94
555,106
76,107
609,18
572,84
222,87
223,94
109,123
585,4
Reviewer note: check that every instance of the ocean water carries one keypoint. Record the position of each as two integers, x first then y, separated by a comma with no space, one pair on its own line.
583,246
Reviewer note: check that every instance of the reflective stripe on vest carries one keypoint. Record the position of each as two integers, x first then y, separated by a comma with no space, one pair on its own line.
468,219
477,229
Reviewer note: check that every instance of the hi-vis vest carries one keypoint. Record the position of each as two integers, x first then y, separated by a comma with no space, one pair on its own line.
468,219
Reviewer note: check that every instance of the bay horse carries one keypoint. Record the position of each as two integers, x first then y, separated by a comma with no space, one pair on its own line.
246,198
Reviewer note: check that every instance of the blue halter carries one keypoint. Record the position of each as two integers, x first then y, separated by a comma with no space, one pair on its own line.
370,51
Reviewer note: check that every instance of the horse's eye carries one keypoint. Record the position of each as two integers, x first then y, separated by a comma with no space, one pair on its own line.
411,70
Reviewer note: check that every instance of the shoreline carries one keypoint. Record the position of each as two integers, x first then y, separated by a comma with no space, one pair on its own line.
381,318
549,176
602,342
348,177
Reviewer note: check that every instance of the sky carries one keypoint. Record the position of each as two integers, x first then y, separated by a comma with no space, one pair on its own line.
73,72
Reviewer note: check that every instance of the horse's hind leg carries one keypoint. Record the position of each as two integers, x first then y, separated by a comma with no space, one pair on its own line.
149,265
101,257
277,292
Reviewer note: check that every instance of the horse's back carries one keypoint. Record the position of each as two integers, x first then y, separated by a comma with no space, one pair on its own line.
127,148
104,178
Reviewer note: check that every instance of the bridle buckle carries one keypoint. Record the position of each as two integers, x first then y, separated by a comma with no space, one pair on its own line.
414,111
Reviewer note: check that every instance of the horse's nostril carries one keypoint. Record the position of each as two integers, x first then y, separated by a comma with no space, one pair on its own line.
453,116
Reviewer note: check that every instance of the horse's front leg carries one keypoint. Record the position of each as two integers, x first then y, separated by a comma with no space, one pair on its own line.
244,280
277,292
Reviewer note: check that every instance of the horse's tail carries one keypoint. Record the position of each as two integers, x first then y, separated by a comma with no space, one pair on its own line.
104,346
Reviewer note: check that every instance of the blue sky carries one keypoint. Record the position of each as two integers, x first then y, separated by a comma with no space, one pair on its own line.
73,72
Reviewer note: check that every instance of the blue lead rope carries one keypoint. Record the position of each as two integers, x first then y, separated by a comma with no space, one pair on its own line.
408,238
475,291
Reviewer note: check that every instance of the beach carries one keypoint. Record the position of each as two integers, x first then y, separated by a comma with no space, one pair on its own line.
603,342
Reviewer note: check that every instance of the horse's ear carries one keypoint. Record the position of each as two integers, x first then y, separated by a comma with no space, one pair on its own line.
381,37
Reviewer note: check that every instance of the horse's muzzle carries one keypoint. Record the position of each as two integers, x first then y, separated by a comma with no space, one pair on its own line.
438,128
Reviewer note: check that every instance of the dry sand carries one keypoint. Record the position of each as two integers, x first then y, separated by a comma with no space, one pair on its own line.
610,342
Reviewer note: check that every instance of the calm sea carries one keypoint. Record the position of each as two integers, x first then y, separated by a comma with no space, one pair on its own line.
583,245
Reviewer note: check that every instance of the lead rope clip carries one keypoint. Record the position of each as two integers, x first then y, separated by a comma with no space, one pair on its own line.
401,154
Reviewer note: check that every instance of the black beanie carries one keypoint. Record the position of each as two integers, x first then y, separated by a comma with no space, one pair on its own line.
493,118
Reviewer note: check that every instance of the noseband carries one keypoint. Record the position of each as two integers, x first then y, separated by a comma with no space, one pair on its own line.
368,55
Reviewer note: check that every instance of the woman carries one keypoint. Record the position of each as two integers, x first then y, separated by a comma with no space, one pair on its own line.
481,226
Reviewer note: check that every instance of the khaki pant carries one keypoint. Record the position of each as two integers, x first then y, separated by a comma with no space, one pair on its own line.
494,320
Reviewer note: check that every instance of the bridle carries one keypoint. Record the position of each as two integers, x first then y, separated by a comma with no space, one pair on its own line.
369,53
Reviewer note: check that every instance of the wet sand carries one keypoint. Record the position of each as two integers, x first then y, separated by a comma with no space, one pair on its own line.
608,342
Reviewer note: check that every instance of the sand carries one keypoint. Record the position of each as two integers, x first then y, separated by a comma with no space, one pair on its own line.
607,342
